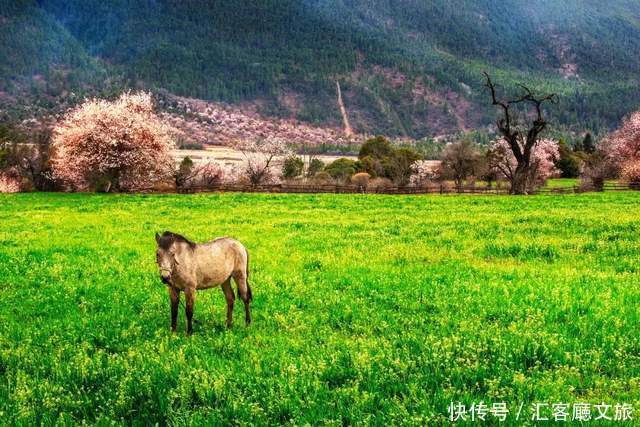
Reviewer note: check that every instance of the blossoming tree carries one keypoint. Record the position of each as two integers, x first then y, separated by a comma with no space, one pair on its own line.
541,164
520,139
116,145
624,148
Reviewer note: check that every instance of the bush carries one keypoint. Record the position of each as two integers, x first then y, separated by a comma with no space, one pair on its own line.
315,166
568,162
597,168
361,179
322,178
292,167
380,183
341,169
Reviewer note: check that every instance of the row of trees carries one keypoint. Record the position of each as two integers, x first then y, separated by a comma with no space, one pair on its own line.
124,146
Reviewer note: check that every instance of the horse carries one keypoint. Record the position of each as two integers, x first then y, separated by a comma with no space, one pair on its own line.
187,266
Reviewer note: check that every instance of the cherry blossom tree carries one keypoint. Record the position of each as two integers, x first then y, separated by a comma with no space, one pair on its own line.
116,145
520,138
260,156
541,165
624,148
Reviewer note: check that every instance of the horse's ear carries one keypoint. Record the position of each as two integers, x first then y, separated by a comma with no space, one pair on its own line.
157,238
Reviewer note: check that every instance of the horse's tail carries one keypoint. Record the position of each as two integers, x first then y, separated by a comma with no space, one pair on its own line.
249,293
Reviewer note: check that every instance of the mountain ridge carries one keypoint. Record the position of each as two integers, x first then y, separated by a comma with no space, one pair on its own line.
406,69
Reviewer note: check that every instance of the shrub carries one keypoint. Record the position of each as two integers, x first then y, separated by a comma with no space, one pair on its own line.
315,166
341,169
380,183
10,181
568,163
292,167
322,178
361,179
597,168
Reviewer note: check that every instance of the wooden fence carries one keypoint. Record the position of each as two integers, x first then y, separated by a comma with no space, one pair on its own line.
355,189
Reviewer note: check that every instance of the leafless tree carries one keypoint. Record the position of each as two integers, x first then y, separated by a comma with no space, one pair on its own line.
521,137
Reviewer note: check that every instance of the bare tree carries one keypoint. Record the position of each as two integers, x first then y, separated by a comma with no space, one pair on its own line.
260,154
521,138
460,160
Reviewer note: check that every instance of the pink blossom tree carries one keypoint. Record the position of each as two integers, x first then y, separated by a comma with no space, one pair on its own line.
624,148
521,138
541,165
112,145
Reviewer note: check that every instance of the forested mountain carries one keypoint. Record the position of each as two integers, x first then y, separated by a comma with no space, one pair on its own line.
408,68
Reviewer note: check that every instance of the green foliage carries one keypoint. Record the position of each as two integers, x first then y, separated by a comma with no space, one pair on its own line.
588,146
315,166
377,148
379,158
398,167
341,169
232,50
364,306
569,161
292,167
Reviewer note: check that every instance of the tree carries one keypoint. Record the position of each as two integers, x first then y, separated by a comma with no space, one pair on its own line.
315,166
341,169
120,145
260,155
588,146
541,164
624,147
292,167
399,167
568,162
423,173
460,160
185,174
521,140
378,148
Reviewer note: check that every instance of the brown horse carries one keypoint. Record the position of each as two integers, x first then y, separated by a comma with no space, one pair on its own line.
187,266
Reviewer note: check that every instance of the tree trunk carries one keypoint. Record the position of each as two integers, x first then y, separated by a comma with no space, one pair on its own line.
519,180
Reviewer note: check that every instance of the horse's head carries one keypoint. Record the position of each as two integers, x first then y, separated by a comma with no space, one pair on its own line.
166,255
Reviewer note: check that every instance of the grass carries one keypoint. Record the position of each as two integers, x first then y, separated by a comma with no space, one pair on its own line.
368,309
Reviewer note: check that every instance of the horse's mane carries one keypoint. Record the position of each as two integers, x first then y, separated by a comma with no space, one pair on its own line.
168,238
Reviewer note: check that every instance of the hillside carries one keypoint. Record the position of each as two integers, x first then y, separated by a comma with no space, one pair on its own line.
406,68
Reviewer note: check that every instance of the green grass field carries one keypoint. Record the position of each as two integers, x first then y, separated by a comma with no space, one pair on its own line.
367,309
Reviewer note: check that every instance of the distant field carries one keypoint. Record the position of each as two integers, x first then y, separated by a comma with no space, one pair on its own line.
368,309
230,156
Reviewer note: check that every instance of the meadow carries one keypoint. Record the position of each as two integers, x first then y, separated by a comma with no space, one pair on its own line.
367,309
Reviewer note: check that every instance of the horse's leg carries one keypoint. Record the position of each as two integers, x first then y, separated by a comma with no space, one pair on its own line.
245,294
230,297
190,296
174,296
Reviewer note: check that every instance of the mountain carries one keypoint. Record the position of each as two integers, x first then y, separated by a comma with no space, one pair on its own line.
406,68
